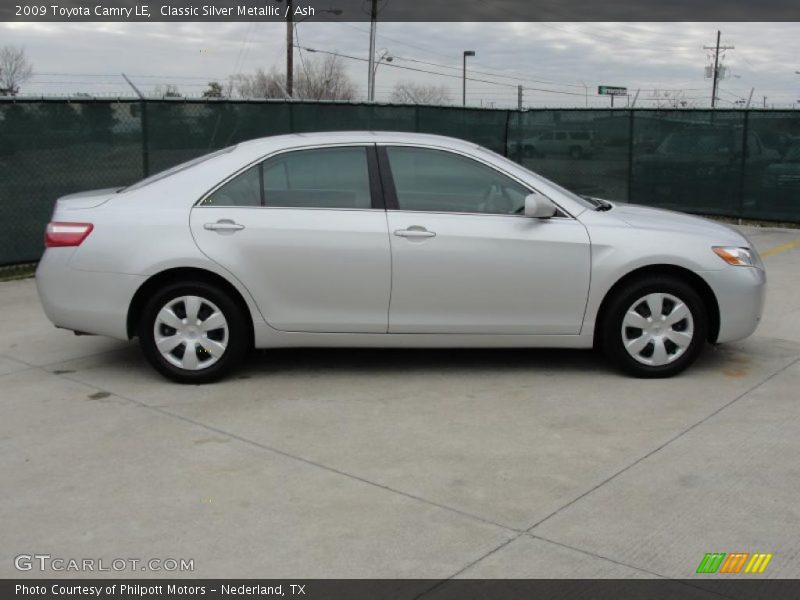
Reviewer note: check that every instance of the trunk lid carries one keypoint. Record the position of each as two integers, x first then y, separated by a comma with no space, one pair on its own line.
82,200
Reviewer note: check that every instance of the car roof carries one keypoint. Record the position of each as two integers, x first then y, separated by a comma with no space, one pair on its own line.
266,144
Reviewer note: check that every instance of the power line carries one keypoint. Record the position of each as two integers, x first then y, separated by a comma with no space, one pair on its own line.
245,45
393,66
300,51
483,65
515,78
204,77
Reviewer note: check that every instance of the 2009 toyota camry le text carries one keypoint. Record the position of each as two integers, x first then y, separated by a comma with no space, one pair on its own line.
388,240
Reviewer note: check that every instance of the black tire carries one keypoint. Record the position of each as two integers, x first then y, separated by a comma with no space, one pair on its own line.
612,341
238,336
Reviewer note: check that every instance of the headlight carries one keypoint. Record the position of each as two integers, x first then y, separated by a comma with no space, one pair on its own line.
738,257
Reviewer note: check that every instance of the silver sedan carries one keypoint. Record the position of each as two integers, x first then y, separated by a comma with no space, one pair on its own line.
361,239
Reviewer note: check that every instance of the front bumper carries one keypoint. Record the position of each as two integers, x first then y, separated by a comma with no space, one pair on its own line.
740,293
87,301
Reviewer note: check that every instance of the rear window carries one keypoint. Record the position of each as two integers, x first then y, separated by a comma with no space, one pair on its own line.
176,169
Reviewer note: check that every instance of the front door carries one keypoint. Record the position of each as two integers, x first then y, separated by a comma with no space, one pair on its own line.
465,260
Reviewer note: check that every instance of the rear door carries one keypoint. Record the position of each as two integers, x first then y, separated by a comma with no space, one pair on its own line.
305,231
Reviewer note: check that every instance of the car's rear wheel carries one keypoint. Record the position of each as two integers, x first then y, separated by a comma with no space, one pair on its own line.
655,327
193,332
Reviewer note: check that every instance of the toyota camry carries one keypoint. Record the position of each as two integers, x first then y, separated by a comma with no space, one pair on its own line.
369,239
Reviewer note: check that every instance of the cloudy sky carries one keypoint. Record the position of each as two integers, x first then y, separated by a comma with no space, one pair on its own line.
556,62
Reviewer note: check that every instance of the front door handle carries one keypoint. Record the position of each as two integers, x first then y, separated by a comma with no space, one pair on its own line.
415,231
223,226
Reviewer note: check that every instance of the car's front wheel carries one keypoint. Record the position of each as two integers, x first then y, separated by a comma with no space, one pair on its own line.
655,327
193,332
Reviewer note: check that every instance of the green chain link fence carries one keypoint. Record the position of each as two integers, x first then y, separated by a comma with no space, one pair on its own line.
734,163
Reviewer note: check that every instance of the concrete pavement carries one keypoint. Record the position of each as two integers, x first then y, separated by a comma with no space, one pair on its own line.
341,463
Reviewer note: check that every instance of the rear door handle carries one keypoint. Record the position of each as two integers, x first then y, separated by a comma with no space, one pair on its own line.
223,225
415,231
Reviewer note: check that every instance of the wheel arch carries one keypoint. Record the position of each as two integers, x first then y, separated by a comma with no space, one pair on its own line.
182,274
690,277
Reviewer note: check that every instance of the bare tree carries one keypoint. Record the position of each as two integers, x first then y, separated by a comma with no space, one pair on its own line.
408,92
671,99
214,90
317,79
324,79
259,84
166,91
15,69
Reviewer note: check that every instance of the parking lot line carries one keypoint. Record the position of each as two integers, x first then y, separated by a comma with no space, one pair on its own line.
781,248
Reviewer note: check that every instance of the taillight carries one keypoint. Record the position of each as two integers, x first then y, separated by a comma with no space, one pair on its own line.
66,234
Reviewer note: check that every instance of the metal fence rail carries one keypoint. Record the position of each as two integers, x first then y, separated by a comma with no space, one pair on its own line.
736,163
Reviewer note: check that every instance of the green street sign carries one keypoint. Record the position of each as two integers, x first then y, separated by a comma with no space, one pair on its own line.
608,90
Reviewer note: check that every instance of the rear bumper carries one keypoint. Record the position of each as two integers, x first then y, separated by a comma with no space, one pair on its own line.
87,301
740,293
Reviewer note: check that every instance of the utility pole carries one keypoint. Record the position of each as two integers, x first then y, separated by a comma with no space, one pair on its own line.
716,50
519,97
765,102
464,78
750,97
373,17
289,49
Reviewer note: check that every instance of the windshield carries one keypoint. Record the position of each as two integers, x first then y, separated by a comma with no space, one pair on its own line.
176,169
585,202
571,195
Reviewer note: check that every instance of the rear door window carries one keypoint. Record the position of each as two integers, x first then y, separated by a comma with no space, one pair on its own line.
316,178
319,178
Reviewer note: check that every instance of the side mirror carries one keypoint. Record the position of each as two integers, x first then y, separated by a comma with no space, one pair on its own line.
539,207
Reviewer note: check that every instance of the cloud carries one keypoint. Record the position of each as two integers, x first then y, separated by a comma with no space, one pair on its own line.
553,61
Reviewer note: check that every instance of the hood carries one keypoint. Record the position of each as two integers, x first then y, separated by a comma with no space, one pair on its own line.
644,217
88,199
